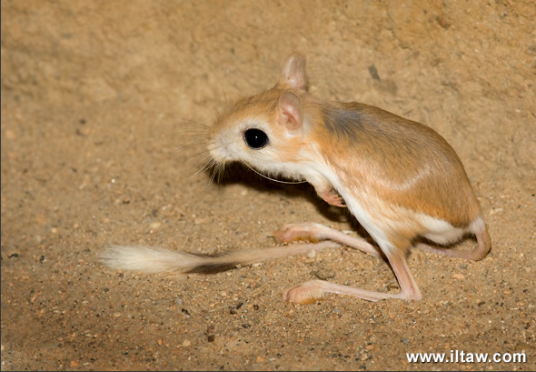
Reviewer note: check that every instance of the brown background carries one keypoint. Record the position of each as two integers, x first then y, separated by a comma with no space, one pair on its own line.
104,112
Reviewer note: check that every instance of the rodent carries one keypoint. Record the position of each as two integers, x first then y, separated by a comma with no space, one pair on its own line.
400,179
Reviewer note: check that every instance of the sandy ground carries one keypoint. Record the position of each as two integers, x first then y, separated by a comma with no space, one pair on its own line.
104,109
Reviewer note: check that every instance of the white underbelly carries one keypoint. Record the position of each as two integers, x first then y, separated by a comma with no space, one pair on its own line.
382,220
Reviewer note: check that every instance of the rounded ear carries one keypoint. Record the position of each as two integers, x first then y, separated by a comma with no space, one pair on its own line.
293,75
289,111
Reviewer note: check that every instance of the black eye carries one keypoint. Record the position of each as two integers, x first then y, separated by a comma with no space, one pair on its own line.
255,138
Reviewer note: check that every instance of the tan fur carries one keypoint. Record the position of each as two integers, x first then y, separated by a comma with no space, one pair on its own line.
399,178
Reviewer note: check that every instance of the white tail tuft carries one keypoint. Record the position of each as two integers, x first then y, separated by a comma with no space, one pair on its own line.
149,260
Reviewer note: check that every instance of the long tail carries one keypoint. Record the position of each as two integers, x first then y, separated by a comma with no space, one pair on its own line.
154,260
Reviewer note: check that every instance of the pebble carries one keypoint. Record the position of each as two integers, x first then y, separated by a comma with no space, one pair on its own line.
155,225
324,274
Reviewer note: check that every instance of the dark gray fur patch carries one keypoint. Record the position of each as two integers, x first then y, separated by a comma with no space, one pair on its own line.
345,124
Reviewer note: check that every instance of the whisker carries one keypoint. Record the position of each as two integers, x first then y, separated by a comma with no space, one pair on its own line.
273,179
192,122
195,155
212,166
219,171
204,168
198,134
181,149
214,170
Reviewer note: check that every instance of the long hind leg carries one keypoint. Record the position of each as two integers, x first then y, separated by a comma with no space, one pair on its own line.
479,252
314,232
314,290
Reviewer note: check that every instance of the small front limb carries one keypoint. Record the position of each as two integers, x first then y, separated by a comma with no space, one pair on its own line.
331,196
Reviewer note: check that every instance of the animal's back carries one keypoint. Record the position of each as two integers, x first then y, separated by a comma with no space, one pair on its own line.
400,161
